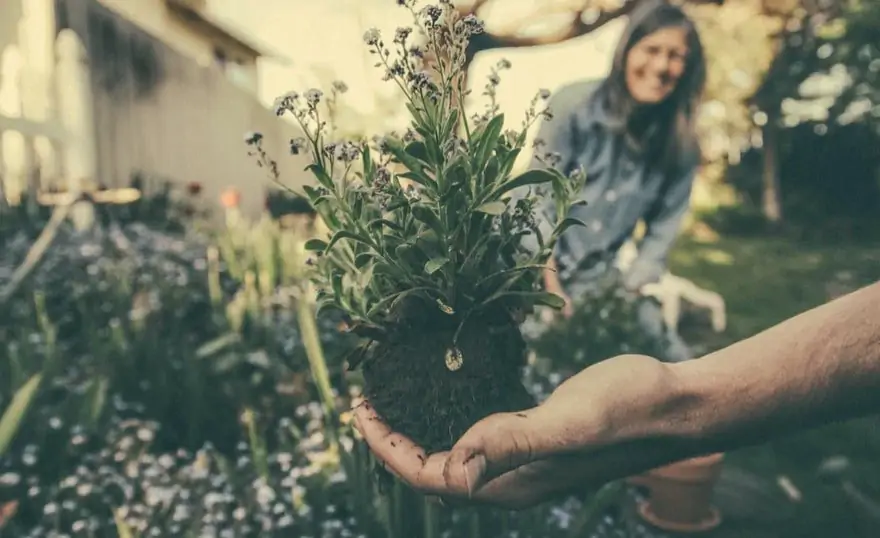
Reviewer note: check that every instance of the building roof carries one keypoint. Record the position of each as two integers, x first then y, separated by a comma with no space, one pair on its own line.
191,11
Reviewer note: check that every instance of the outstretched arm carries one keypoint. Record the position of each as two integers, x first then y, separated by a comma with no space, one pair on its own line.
631,413
815,368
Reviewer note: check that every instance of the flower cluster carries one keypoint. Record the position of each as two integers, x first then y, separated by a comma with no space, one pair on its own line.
120,481
427,214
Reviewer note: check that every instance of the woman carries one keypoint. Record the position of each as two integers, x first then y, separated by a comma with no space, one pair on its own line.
633,134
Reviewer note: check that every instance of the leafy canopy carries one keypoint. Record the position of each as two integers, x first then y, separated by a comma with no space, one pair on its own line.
436,213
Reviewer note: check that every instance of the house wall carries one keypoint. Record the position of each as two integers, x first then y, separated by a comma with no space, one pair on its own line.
161,116
195,42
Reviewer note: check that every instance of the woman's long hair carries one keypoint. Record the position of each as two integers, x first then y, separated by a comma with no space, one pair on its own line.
670,138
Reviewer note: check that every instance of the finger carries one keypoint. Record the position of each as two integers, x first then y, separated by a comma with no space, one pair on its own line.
492,447
399,454
529,484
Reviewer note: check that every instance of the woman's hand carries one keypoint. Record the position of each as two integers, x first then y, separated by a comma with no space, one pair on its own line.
553,285
516,460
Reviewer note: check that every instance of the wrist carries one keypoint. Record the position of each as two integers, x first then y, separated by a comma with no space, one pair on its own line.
660,417
642,415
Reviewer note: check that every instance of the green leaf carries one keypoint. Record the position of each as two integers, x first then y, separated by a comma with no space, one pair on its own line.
369,168
415,166
408,254
490,175
321,175
336,282
435,156
356,201
479,240
430,245
15,412
324,303
419,150
97,397
488,140
362,259
315,198
397,204
316,245
543,298
424,214
512,270
565,224
451,124
493,208
384,268
364,278
537,176
217,345
418,115
532,297
393,299
507,162
378,223
434,264
345,234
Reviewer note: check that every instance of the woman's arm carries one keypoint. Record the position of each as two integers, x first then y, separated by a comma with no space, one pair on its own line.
662,224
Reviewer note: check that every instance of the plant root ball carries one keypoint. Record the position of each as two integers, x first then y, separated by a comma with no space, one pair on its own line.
407,381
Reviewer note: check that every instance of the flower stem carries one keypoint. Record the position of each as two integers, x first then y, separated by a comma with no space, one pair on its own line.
308,326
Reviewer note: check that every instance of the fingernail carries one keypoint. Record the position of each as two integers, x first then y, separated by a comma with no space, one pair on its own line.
473,471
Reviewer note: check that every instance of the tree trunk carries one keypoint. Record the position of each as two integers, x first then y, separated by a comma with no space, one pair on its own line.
771,193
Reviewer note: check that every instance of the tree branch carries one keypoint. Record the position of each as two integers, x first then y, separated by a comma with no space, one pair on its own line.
577,27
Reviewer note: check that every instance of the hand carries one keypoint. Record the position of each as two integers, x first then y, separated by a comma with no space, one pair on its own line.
568,309
516,460
553,285
548,315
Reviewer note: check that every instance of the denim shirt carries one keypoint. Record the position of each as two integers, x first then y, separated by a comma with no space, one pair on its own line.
620,190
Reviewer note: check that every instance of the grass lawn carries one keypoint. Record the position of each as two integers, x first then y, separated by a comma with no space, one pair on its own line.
765,280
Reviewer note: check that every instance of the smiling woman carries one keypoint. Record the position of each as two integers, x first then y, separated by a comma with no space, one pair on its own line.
655,64
633,134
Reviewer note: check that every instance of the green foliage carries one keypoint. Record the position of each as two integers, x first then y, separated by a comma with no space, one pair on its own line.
604,324
129,375
831,40
436,213
12,417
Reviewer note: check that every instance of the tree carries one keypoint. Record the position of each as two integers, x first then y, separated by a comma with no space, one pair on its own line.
567,19
826,70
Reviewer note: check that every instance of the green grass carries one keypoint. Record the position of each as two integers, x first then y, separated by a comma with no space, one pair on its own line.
765,281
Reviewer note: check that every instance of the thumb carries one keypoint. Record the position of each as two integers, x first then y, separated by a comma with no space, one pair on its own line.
492,447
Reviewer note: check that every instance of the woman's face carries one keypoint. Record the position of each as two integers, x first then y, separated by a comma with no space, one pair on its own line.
655,64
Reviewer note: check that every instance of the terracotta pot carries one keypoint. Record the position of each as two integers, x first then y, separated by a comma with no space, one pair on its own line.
680,495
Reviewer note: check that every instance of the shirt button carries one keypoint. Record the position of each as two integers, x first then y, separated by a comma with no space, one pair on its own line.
611,196
596,226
